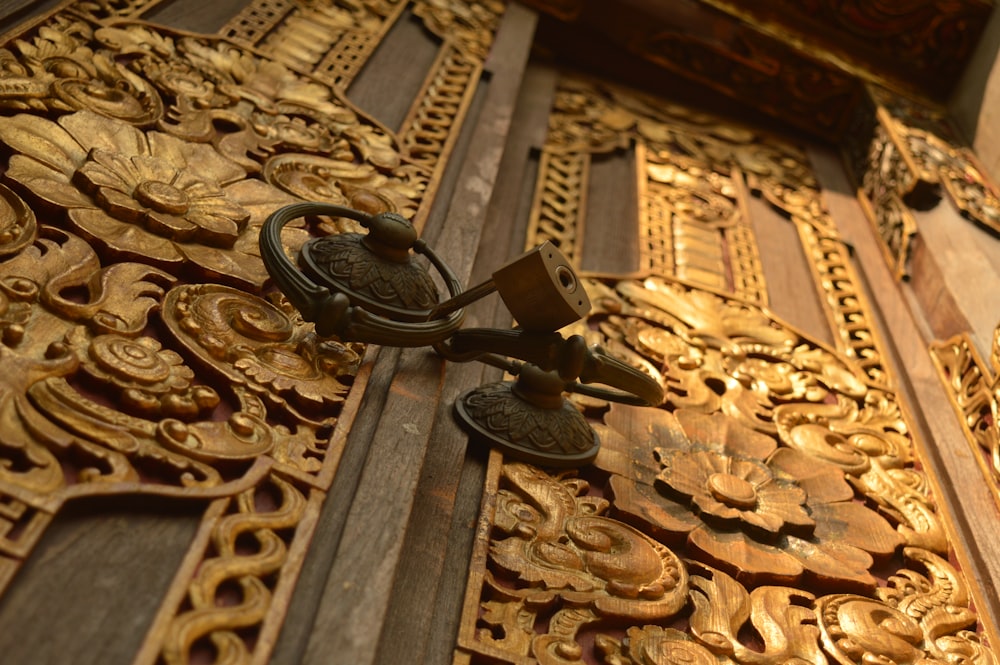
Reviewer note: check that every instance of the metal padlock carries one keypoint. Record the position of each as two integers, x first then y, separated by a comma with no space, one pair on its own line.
541,290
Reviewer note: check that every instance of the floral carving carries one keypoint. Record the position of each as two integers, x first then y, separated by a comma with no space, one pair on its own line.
256,344
144,194
752,508
151,381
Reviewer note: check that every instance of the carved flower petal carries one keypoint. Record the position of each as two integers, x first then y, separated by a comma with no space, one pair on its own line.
823,483
213,229
96,131
718,430
684,473
51,186
854,524
643,506
259,199
107,170
128,239
833,566
203,160
155,169
746,559
707,504
652,427
751,471
175,227
121,206
762,520
44,141
218,205
245,269
785,502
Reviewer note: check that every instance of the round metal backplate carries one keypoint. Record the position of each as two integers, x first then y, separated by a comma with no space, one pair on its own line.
547,437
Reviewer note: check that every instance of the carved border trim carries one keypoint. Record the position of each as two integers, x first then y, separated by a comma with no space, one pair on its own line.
844,301
974,393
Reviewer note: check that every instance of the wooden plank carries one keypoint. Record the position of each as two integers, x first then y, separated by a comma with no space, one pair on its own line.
195,15
84,596
610,241
968,260
358,592
962,494
394,74
17,15
786,271
308,595
435,559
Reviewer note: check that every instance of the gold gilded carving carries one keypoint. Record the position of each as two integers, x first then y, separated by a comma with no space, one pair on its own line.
559,206
974,392
780,479
689,201
132,362
913,154
181,195
149,195
229,595
429,129
331,40
885,180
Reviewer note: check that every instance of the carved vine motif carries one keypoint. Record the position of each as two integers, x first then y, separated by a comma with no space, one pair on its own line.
267,515
776,487
974,391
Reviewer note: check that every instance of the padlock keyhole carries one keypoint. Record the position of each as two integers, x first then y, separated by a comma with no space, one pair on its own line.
566,278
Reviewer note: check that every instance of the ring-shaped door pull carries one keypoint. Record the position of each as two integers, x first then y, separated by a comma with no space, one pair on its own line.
362,287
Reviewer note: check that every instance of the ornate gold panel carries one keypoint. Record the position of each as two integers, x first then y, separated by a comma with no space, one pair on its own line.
695,175
974,391
142,350
776,507
693,222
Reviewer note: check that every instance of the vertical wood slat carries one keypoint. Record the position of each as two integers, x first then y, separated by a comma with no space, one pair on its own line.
353,600
786,272
609,233
435,560
195,15
388,83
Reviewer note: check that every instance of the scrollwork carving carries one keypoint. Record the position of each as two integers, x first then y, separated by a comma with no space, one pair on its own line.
973,389
782,478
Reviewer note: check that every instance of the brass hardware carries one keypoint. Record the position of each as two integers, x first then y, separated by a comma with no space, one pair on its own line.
368,288
398,292
529,419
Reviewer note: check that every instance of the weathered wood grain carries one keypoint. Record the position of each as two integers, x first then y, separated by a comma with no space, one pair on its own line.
194,15
439,540
610,234
393,76
93,585
786,271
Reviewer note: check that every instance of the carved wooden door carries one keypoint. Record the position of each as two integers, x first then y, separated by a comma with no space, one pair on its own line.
188,473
